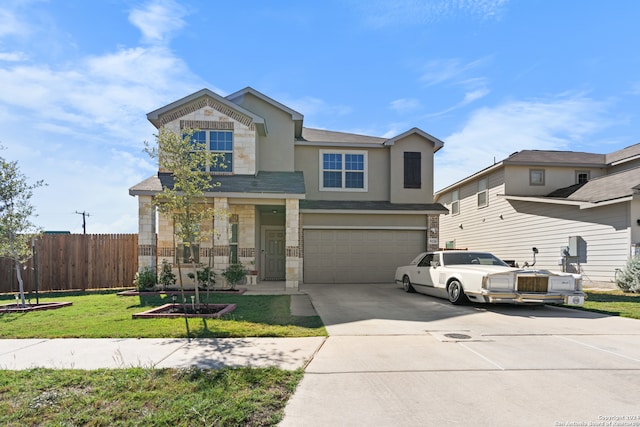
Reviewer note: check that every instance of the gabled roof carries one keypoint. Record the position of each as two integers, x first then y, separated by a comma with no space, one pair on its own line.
249,90
628,153
321,136
163,115
556,158
327,136
536,158
264,184
437,144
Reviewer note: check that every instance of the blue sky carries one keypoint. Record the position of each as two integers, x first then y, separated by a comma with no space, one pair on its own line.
488,77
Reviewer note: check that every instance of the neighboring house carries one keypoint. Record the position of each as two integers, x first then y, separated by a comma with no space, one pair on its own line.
581,210
305,204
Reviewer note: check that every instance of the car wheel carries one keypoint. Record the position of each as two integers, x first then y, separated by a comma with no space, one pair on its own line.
456,293
406,285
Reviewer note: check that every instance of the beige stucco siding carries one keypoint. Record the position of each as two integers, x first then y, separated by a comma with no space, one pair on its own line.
517,179
399,194
364,220
511,228
275,150
307,159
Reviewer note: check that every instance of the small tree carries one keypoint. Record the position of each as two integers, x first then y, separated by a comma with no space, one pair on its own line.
629,279
184,202
16,210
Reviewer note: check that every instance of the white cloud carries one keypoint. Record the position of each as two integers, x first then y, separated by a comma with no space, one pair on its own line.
80,125
10,24
158,20
12,56
383,13
492,134
405,105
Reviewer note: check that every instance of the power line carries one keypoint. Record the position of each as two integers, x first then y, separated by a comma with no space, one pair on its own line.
84,220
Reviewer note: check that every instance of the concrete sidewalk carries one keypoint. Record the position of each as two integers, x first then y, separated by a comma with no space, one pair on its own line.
210,353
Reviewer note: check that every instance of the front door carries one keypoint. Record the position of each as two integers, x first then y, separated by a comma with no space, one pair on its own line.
274,254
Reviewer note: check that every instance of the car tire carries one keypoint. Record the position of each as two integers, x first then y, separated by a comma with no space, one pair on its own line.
406,285
455,292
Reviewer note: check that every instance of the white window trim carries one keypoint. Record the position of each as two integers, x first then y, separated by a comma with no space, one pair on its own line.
455,202
344,189
485,191
543,173
581,172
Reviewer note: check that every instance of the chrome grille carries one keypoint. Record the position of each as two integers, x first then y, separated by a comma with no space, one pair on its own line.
532,283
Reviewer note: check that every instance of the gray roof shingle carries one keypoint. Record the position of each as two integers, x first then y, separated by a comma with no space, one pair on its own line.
370,206
262,183
603,188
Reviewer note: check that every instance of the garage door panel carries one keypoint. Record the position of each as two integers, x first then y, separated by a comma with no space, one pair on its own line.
358,256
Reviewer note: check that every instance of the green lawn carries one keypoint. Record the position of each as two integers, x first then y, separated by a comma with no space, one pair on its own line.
145,397
613,302
104,314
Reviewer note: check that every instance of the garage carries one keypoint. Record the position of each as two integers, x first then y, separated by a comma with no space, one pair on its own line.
358,255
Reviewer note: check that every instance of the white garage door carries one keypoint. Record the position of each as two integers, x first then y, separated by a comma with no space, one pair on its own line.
358,256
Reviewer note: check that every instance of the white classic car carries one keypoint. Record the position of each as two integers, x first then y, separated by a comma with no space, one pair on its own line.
463,276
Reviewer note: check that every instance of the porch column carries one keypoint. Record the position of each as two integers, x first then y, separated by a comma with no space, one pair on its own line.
146,233
292,241
221,233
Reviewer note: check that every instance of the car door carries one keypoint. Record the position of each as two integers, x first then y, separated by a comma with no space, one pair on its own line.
423,271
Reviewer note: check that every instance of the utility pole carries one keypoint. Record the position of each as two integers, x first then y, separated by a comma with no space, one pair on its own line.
84,220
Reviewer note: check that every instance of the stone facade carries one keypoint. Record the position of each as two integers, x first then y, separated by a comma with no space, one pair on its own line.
292,243
244,137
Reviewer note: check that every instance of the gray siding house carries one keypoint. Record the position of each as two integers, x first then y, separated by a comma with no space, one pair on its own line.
305,204
580,210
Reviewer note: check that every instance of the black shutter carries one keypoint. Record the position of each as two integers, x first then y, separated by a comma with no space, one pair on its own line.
412,171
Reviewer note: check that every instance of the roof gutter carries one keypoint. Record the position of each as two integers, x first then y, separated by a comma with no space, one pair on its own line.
580,204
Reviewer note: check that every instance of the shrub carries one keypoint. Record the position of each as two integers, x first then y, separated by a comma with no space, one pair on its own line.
629,279
234,274
145,279
206,277
166,278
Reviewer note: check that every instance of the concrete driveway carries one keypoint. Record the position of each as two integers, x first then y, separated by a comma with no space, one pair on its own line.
397,359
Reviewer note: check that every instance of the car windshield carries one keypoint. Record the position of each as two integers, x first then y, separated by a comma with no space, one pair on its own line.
464,258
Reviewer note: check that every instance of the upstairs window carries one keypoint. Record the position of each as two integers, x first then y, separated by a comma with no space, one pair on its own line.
343,170
455,202
582,177
412,170
536,176
483,197
220,143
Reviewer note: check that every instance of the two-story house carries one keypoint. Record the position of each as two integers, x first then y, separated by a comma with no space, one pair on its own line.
580,210
304,204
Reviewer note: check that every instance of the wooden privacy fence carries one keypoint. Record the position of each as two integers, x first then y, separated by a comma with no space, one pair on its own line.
76,261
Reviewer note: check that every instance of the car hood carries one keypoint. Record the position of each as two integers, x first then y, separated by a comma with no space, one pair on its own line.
479,268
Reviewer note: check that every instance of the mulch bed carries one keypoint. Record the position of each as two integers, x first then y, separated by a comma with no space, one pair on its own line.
186,310
18,308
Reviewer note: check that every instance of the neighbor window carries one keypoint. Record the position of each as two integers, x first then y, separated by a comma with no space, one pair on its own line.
582,177
412,170
455,203
483,198
219,142
536,176
343,170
